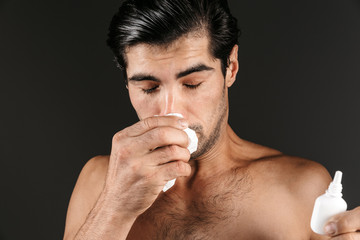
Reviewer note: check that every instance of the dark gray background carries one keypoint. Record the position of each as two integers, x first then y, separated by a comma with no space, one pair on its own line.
62,98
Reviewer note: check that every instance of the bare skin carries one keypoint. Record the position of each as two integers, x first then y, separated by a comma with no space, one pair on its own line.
229,189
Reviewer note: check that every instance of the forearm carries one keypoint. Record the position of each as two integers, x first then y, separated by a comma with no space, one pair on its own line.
105,223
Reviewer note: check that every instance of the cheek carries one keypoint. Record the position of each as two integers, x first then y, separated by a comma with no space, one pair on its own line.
139,103
144,105
205,106
134,99
210,97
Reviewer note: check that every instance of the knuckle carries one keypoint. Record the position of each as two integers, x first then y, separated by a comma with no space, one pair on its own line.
121,150
166,152
161,134
117,137
124,153
119,159
162,153
179,166
172,150
181,153
148,123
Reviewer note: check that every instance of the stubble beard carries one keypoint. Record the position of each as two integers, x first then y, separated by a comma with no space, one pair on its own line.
206,143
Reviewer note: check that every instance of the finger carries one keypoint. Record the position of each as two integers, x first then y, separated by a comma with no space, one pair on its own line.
346,222
150,123
163,136
173,170
124,145
347,236
170,153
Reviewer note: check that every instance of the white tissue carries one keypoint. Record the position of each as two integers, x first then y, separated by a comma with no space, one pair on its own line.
192,147
169,184
193,140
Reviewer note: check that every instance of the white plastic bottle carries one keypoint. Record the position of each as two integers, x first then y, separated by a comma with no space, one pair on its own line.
328,205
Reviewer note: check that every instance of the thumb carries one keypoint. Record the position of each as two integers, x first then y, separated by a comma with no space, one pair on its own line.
345,222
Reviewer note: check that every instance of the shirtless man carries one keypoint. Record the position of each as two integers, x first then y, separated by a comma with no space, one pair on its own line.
181,57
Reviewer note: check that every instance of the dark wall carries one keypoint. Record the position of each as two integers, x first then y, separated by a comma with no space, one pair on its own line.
62,98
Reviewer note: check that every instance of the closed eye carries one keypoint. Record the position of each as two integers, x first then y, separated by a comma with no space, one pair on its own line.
150,90
192,86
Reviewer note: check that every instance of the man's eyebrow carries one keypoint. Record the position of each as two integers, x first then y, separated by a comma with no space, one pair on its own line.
197,68
147,77
143,77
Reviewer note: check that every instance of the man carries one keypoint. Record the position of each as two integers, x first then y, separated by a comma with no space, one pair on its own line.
181,57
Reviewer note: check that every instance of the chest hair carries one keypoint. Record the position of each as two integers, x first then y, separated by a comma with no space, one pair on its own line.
204,217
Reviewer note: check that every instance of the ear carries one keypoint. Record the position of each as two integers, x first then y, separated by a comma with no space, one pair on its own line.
233,68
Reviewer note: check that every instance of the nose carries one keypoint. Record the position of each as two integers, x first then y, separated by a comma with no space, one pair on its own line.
168,103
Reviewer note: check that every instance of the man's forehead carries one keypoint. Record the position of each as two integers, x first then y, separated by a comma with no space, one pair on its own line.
182,48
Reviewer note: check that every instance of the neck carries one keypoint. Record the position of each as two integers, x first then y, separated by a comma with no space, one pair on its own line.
230,152
216,161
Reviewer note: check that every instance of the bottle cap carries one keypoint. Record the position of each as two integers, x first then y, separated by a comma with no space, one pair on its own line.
337,177
335,186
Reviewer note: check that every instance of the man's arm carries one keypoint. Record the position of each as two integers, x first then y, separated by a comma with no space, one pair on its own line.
113,191
87,207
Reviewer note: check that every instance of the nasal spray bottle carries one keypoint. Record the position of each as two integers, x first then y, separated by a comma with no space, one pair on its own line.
328,205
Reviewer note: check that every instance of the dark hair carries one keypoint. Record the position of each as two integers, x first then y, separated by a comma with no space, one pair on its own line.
161,22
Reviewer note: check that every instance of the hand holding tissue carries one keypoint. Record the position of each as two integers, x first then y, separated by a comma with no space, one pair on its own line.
192,147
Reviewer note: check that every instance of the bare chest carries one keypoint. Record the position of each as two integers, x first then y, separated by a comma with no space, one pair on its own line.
236,209
206,216
213,224
198,220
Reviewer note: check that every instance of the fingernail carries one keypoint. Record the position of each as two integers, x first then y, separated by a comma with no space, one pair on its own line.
183,123
330,228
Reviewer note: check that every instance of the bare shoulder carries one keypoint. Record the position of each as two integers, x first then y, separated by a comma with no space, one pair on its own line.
301,176
293,184
88,187
295,173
